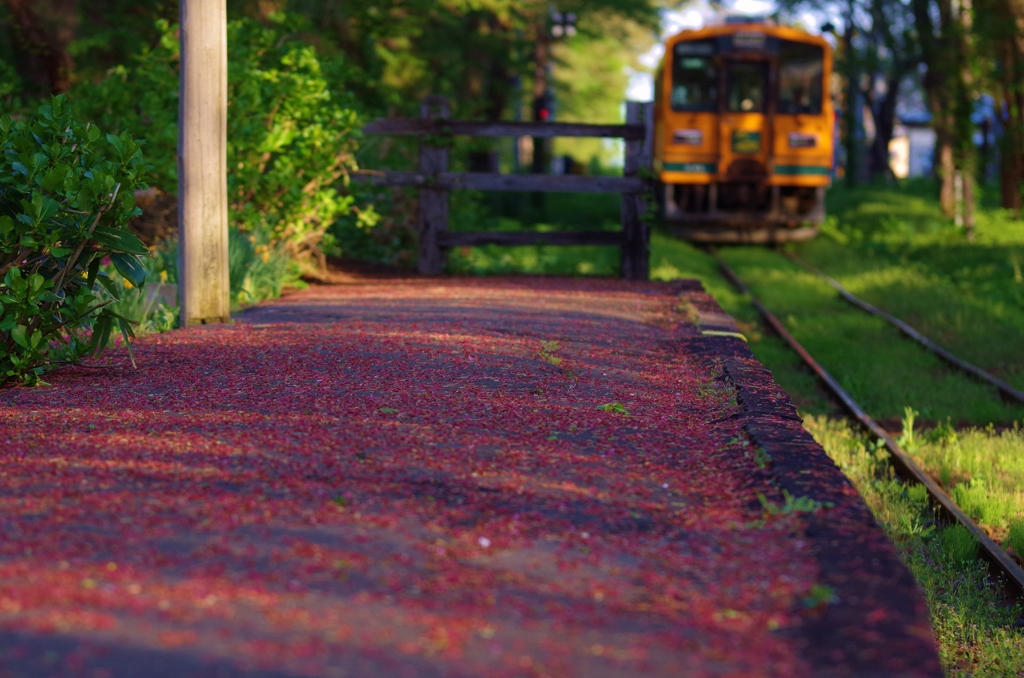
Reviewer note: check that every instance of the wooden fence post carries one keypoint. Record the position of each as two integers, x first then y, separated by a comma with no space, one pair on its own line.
203,283
635,258
433,202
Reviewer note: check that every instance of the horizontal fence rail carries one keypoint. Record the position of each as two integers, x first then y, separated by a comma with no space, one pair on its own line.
486,181
511,238
472,128
435,181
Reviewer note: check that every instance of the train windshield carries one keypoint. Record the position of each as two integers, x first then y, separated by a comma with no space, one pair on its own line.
800,77
747,82
694,77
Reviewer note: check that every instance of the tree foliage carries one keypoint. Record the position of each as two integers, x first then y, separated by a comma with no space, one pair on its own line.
291,136
478,53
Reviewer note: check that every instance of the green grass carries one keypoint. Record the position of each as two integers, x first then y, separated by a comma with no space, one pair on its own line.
910,261
883,370
973,627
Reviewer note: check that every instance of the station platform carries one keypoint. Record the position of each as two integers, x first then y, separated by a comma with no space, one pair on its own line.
441,477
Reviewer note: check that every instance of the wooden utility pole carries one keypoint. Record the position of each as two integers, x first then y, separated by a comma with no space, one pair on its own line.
203,283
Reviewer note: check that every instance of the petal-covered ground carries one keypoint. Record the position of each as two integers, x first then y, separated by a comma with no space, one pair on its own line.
437,478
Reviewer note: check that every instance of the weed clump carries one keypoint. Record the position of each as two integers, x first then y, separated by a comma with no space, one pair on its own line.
1015,540
958,544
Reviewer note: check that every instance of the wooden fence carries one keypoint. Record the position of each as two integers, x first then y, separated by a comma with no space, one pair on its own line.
434,181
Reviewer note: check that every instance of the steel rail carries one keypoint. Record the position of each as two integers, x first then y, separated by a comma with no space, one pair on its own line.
973,370
907,467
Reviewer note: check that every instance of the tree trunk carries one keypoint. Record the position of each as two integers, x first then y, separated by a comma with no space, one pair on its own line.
851,99
967,153
936,54
43,57
884,115
1008,31
945,171
1011,151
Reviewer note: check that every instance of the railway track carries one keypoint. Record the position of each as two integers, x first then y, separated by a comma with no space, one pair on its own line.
999,561
1004,388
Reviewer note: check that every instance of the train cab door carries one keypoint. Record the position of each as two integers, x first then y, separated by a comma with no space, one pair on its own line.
744,133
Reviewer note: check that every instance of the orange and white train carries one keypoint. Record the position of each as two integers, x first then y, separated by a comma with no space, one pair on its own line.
744,132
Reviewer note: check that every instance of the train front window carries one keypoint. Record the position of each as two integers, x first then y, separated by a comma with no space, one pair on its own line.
747,81
800,77
694,77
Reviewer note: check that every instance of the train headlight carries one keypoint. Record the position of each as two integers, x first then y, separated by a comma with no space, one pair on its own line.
688,137
801,140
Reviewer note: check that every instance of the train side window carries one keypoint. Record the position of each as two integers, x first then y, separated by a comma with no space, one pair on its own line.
800,77
747,81
694,77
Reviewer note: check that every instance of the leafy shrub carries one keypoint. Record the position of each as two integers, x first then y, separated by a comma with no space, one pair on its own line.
65,199
291,138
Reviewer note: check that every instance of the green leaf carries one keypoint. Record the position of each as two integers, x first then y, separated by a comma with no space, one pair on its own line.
18,334
100,334
54,179
14,281
42,207
35,282
123,319
117,143
119,240
6,225
109,285
128,335
130,267
94,268
37,337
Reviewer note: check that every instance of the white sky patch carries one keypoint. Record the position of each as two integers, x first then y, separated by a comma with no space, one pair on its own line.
697,14
694,16
753,7
641,84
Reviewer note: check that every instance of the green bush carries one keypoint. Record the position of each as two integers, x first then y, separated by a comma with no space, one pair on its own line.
291,138
65,199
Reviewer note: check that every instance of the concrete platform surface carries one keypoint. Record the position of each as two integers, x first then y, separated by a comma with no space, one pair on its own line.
453,477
